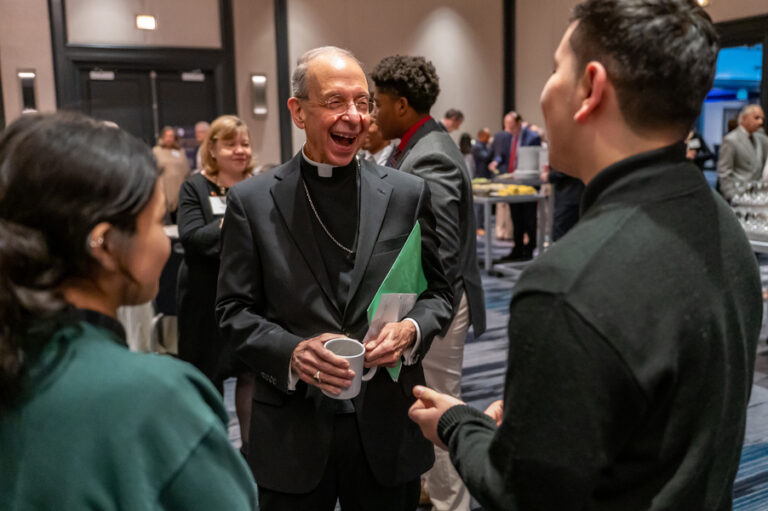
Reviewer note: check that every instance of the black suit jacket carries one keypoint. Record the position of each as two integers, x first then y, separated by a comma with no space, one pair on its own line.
274,292
482,155
200,234
432,155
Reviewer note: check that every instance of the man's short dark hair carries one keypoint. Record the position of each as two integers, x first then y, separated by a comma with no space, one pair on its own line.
413,78
454,114
660,56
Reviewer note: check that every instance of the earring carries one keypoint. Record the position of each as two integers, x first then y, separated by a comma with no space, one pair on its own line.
97,242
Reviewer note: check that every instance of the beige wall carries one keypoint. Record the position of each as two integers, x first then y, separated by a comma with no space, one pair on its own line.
723,10
255,53
540,25
462,39
180,23
25,43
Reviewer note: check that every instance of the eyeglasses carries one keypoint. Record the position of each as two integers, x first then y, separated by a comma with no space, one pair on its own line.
340,106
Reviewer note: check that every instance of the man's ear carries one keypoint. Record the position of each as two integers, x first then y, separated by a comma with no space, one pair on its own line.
591,89
401,106
100,247
297,112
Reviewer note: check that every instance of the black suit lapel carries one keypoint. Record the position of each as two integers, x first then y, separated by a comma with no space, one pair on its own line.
291,203
374,197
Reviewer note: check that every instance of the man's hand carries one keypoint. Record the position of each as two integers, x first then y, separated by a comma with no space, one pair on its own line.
310,356
494,167
496,411
386,349
427,410
544,174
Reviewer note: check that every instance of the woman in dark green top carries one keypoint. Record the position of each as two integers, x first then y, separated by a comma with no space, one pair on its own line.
84,423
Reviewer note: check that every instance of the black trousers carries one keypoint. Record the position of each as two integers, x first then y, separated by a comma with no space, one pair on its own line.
348,478
524,220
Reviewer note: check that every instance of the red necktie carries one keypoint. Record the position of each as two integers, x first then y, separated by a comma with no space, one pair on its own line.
512,154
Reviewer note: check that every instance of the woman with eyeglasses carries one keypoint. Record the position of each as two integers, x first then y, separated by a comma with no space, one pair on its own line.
226,159
85,423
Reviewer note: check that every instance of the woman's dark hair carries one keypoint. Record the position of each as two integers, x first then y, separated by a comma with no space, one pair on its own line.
413,78
60,175
465,143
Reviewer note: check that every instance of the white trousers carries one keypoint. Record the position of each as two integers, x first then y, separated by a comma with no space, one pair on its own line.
442,371
504,227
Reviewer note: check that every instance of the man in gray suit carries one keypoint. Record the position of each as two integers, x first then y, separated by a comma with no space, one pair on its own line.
406,89
743,153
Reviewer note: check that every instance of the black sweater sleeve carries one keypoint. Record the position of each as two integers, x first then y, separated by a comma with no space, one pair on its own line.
568,402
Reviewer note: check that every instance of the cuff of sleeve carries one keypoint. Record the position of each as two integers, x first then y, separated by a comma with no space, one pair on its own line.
451,419
411,355
293,379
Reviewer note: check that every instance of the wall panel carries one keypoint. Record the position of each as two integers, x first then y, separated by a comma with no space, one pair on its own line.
462,39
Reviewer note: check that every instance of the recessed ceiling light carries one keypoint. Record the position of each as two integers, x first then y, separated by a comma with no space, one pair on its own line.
146,22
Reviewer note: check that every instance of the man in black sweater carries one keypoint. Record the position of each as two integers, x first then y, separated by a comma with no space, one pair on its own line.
632,340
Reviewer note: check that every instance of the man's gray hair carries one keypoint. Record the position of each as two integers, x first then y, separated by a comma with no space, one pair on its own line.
746,110
299,87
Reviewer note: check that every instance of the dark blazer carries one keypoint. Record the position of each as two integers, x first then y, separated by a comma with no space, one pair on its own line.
502,142
199,341
274,292
432,155
482,155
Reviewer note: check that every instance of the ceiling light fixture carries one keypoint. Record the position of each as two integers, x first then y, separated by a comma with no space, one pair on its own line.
703,3
146,22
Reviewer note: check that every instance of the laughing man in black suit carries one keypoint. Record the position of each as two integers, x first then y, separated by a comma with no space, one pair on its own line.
305,248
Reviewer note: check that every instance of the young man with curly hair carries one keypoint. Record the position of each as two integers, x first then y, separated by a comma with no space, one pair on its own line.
406,89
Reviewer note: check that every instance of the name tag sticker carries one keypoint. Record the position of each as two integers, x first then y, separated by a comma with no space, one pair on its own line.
175,153
218,205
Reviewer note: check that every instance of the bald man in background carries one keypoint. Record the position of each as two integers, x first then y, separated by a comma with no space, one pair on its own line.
743,153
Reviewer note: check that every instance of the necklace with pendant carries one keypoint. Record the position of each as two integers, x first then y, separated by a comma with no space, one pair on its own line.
320,221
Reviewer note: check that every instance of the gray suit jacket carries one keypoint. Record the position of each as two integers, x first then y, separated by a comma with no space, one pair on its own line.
432,155
738,161
274,291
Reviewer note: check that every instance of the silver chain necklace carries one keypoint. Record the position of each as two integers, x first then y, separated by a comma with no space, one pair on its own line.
312,205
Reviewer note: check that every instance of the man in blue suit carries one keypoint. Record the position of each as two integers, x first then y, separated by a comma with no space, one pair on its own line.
504,148
482,153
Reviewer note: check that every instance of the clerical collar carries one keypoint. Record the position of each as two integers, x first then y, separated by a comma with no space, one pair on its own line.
323,169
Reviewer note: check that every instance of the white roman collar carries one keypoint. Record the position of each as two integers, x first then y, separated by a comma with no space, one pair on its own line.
323,169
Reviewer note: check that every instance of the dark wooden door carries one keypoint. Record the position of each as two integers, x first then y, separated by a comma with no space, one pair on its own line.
121,96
